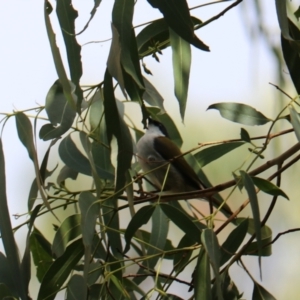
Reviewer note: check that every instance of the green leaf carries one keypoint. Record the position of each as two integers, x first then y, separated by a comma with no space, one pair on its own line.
5,293
64,173
181,57
152,96
176,14
158,237
181,220
240,113
60,270
90,209
181,258
268,187
141,217
66,16
7,236
69,230
212,153
295,120
25,133
60,113
67,86
117,127
201,278
210,243
260,293
76,289
72,157
245,135
249,186
122,15
233,242
39,248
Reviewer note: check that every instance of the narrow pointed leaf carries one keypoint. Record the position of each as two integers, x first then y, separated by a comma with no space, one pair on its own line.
245,135
141,217
69,230
7,236
25,133
6,277
249,186
268,187
240,113
76,289
295,119
181,57
233,242
41,257
182,221
117,127
89,213
60,271
260,293
176,14
181,258
212,153
201,278
66,16
210,243
67,88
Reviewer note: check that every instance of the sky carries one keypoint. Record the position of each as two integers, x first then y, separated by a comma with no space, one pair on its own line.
237,69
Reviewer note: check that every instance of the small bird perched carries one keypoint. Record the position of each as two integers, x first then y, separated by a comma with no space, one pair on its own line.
155,149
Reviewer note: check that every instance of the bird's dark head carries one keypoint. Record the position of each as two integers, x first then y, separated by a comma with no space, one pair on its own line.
157,126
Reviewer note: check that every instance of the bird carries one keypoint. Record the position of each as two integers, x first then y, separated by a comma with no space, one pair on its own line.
154,151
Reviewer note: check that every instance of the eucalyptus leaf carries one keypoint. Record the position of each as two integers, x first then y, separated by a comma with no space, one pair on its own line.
181,58
60,270
260,293
76,289
245,135
249,186
68,231
268,187
212,153
141,217
182,221
201,277
67,16
90,209
295,120
240,113
181,258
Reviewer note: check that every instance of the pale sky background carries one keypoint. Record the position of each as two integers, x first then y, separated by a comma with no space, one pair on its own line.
235,70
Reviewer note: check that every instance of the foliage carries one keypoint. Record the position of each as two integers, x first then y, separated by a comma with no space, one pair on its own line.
92,256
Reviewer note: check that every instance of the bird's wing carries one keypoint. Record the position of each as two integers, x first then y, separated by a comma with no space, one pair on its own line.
169,151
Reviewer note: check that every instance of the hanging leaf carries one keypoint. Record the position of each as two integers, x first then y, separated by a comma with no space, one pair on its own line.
63,79
117,127
7,235
141,217
291,55
177,15
268,187
60,270
39,248
152,96
69,230
249,186
182,221
181,58
295,120
212,153
89,213
6,278
245,135
233,242
201,277
210,243
66,16
240,113
181,258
